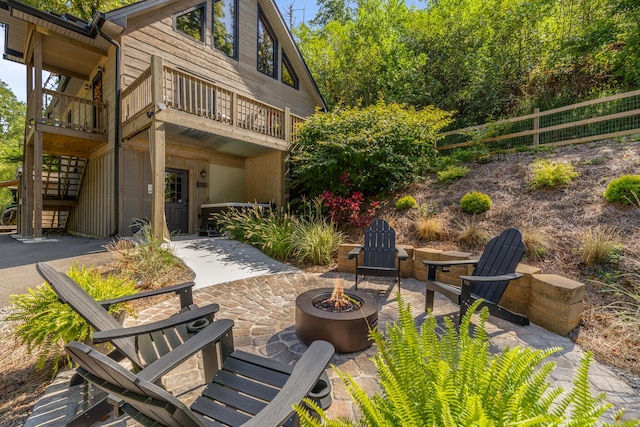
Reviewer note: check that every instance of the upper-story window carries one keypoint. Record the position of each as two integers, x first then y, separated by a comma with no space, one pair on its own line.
266,47
191,22
224,26
288,76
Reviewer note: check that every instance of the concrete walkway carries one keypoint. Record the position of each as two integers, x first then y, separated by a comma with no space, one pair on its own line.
263,309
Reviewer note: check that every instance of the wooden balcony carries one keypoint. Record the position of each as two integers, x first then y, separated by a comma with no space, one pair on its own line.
205,114
70,125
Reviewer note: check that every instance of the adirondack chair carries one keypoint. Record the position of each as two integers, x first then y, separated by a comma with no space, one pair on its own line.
492,273
141,345
378,255
248,390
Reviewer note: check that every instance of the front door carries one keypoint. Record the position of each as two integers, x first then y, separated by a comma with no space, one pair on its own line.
176,195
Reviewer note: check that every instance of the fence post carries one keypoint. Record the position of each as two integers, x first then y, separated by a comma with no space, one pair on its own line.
536,128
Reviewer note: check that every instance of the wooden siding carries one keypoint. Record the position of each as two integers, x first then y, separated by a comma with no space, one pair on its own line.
153,34
94,214
264,180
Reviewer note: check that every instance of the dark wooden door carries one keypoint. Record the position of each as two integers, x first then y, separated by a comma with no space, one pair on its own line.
176,200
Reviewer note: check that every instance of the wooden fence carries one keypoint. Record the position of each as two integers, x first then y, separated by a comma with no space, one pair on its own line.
609,117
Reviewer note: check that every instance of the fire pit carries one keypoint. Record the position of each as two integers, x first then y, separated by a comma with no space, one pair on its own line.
341,317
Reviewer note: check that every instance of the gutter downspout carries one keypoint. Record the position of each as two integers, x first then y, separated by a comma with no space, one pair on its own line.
117,133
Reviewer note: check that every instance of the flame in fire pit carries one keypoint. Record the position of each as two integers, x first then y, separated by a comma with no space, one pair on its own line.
338,299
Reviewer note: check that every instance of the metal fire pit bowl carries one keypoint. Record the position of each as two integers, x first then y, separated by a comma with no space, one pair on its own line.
347,331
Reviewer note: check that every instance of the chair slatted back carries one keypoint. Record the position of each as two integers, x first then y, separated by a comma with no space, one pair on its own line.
72,294
147,403
501,256
379,248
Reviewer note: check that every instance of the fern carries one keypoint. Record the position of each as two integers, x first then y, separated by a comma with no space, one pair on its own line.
452,379
45,325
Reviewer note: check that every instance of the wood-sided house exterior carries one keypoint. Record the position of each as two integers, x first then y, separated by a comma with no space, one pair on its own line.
154,109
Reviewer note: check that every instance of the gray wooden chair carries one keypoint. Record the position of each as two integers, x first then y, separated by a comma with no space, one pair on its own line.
379,255
141,345
492,273
248,390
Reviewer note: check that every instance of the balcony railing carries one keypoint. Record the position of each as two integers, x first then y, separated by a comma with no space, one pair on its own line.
183,91
71,112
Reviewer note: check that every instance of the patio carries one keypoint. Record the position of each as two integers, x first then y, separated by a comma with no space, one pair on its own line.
263,309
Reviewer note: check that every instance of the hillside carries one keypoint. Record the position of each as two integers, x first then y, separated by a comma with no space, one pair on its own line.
561,215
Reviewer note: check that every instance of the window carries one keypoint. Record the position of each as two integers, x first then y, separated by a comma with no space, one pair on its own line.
266,48
224,26
288,76
191,23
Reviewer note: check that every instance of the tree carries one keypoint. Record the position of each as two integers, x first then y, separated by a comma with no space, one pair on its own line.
82,9
12,114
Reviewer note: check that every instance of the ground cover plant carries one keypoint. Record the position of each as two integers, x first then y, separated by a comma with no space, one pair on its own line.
450,378
45,325
625,190
549,174
307,237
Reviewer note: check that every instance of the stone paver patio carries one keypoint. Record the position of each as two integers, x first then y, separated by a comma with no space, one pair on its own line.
263,309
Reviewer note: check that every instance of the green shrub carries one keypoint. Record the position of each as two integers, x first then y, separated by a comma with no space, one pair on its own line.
45,325
406,202
452,172
475,202
308,238
624,190
148,260
551,174
600,247
382,147
454,380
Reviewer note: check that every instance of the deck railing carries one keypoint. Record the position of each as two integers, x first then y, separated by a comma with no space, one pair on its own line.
184,91
71,112
608,117
136,98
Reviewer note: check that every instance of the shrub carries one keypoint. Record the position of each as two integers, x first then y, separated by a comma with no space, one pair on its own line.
536,243
624,190
599,246
148,260
307,238
452,172
454,380
406,202
471,234
428,228
551,174
349,209
383,147
45,325
475,202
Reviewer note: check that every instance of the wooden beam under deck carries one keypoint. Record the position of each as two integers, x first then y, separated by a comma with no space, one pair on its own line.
69,142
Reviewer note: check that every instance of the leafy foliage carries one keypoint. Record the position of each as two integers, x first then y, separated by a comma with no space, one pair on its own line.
624,190
406,202
308,237
11,137
452,379
349,208
475,202
381,147
551,174
452,172
80,8
148,260
483,59
45,325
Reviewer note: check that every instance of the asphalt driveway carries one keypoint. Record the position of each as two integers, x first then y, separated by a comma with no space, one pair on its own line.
17,259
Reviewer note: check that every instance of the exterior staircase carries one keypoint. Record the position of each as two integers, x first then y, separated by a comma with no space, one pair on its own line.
61,181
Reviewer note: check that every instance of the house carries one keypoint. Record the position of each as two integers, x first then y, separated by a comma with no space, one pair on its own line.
153,110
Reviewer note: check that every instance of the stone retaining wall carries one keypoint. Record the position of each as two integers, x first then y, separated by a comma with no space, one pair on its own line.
548,300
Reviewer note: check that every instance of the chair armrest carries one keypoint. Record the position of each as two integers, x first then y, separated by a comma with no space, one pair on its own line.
304,376
178,319
501,278
209,335
427,263
180,289
355,252
402,254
